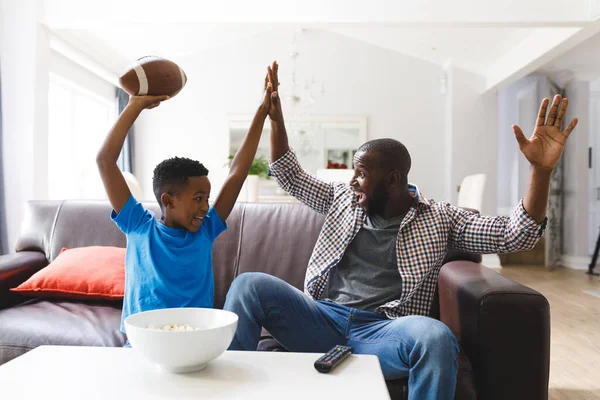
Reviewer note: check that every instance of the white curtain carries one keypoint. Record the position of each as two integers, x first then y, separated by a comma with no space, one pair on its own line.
125,160
3,232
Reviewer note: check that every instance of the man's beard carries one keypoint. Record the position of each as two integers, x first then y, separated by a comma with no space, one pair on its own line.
376,202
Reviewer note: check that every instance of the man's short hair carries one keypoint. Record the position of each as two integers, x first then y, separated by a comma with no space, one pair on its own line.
391,154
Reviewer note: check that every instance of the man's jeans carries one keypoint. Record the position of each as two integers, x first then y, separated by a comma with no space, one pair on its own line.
421,348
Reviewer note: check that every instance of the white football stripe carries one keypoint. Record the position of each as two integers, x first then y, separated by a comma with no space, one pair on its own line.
183,80
139,70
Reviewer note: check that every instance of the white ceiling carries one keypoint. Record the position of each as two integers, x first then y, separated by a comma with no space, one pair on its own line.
530,12
171,40
501,40
579,63
472,48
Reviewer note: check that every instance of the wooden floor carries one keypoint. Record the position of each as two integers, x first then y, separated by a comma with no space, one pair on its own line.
575,336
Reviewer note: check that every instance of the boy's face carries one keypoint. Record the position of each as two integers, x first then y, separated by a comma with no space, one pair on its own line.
188,208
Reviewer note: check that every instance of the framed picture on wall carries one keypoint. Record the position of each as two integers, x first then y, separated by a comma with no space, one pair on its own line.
338,159
317,140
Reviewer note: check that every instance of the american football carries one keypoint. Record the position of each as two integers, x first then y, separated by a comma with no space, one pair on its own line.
153,76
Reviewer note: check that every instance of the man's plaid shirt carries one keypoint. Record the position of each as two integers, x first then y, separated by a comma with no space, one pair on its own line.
427,232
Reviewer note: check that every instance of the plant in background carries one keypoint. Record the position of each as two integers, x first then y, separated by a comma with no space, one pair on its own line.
260,167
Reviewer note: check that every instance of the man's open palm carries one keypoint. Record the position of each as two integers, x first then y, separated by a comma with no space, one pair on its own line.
545,146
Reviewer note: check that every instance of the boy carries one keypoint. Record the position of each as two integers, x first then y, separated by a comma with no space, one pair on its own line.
168,262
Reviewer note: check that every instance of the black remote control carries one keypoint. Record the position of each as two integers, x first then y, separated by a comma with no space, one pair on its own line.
332,358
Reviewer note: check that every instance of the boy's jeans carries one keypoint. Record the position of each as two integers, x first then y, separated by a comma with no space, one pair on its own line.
421,348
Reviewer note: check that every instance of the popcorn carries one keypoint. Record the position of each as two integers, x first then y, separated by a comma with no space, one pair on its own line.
174,328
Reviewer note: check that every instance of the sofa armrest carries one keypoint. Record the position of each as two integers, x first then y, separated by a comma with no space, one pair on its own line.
503,327
15,269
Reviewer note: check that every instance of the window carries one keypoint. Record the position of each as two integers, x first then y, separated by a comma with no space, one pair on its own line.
78,120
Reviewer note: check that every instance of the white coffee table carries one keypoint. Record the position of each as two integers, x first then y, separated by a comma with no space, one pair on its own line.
69,372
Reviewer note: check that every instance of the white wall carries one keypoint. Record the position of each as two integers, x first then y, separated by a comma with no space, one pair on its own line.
473,135
576,200
517,104
575,172
24,60
80,76
400,96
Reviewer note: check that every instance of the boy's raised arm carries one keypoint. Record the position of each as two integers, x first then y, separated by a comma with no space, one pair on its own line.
243,158
114,182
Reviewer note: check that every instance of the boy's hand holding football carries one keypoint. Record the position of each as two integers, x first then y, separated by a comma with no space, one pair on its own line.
146,102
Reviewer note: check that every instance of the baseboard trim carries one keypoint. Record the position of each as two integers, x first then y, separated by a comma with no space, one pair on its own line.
575,262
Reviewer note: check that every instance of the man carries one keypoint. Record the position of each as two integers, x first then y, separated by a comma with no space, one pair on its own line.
373,272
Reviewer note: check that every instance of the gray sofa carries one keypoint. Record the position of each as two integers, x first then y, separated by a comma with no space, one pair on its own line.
502,326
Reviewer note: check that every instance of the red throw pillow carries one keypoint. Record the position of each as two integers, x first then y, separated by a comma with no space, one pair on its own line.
84,273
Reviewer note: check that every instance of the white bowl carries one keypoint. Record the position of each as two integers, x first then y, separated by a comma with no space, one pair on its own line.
182,351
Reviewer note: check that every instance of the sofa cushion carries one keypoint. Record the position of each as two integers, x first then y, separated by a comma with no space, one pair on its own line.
48,226
41,322
85,273
282,250
226,254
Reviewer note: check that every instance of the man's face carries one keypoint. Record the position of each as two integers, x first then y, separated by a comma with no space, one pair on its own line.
369,182
190,205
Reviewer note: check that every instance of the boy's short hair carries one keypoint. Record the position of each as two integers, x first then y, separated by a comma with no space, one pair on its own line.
172,174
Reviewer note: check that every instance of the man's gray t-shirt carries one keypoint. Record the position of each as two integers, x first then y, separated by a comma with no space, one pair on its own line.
367,276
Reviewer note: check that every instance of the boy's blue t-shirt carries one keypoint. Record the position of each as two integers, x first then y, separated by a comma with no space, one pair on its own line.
166,267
